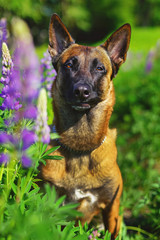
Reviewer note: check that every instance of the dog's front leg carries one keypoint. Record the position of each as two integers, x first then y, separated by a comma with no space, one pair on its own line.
111,218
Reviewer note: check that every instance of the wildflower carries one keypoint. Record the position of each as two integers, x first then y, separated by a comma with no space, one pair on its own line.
26,60
42,128
4,138
21,86
30,112
28,138
26,161
93,235
48,72
7,64
4,158
149,63
27,63
90,237
96,233
148,66
3,33
10,92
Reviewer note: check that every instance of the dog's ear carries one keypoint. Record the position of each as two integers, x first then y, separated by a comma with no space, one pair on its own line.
117,46
59,37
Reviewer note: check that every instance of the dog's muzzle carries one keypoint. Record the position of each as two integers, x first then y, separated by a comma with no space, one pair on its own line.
81,94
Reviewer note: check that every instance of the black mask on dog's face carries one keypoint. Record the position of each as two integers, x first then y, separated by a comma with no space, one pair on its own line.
84,73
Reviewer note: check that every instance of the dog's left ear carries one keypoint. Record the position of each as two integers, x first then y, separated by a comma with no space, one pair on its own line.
59,37
117,46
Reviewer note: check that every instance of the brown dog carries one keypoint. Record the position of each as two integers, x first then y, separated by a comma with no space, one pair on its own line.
83,100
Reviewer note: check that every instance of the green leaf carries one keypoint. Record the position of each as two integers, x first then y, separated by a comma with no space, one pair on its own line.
81,237
60,201
43,148
81,228
107,236
14,187
70,206
54,135
50,151
53,157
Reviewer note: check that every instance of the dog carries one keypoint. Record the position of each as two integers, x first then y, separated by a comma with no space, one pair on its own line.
83,100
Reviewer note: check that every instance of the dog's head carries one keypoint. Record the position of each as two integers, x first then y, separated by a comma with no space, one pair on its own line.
84,73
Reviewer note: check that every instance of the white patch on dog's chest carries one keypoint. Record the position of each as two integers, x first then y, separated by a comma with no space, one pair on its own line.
79,194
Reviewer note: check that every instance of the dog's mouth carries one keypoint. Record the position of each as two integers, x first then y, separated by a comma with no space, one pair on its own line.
81,107
84,106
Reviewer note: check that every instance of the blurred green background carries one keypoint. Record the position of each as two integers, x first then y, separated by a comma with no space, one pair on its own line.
137,111
88,20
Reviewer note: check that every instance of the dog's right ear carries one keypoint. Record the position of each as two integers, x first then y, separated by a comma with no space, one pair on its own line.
59,37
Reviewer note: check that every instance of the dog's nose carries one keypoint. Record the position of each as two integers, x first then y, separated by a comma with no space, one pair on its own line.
82,91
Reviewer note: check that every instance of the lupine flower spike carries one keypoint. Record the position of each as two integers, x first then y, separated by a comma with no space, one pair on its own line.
149,61
48,73
21,85
10,92
3,33
26,60
42,128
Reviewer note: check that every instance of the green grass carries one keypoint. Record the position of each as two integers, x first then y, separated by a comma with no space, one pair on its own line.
143,39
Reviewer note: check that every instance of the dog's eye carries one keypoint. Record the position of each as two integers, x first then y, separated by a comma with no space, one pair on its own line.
99,69
68,65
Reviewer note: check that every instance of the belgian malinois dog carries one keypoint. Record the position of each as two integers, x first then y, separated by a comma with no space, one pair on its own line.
83,100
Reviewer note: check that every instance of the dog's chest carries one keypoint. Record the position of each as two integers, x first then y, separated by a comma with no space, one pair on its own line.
79,194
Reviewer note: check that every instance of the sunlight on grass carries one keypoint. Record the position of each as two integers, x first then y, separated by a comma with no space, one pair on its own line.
143,39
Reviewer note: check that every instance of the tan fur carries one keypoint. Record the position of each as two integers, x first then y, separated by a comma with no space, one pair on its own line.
89,167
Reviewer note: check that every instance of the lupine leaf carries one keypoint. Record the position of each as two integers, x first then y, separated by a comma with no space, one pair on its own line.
50,151
53,157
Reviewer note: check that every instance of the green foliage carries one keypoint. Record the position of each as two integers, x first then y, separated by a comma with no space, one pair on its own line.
147,12
151,201
88,21
138,39
23,8
136,116
38,217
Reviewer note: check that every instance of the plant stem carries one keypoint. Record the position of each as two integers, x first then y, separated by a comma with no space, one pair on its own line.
141,231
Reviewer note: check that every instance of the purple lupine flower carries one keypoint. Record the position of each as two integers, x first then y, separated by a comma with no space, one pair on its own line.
30,112
30,79
10,92
3,33
42,128
149,62
148,66
4,158
4,138
26,161
26,60
48,73
28,138
7,138
21,86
